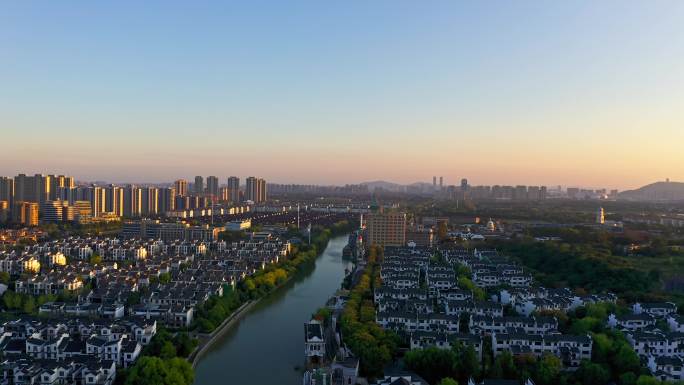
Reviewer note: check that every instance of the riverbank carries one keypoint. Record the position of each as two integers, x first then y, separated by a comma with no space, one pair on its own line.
202,348
263,345
213,312
290,267
229,322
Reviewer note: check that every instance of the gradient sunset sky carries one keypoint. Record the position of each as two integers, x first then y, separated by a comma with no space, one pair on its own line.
584,93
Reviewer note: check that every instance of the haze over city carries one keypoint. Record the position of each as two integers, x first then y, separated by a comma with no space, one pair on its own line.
300,192
577,93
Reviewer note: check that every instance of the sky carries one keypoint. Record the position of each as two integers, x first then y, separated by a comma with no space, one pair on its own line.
576,93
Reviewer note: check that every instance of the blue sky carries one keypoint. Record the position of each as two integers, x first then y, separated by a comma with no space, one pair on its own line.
578,92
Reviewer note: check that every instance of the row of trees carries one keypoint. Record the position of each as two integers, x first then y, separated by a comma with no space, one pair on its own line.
25,303
434,364
373,346
620,366
214,311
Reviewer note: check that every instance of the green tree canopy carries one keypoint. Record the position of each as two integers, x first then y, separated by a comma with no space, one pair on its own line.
448,381
156,371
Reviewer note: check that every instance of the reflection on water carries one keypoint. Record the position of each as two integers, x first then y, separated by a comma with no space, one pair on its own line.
266,346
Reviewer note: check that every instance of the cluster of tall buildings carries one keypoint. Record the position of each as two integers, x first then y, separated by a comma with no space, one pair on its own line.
502,192
578,193
26,199
348,189
520,192
254,190
22,196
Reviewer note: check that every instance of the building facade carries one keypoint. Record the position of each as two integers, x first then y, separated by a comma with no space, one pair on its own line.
386,229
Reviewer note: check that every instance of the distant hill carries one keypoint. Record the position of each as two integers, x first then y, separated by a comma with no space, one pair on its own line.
659,191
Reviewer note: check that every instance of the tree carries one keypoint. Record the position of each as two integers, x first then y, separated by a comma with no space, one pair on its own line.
590,373
164,278
548,370
468,364
95,259
29,305
647,380
504,367
184,344
431,363
147,371
626,360
180,372
448,381
155,371
628,379
167,350
4,277
133,298
602,348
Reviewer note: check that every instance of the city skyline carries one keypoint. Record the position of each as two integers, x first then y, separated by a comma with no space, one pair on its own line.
440,192
585,94
223,181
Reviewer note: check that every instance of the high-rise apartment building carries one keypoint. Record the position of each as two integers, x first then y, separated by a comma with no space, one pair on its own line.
199,185
251,189
261,190
255,190
533,193
7,189
68,194
21,187
167,199
57,183
520,192
26,213
182,202
43,183
213,186
181,187
34,188
150,201
115,200
132,201
234,189
97,197
4,211
224,194
386,229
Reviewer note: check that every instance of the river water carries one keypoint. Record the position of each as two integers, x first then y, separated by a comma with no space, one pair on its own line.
266,346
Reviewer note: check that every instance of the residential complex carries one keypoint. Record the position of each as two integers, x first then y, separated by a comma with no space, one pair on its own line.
103,329
60,199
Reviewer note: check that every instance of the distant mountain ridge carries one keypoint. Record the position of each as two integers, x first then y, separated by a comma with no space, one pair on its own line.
659,191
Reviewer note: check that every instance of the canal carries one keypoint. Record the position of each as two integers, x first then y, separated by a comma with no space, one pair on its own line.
266,346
